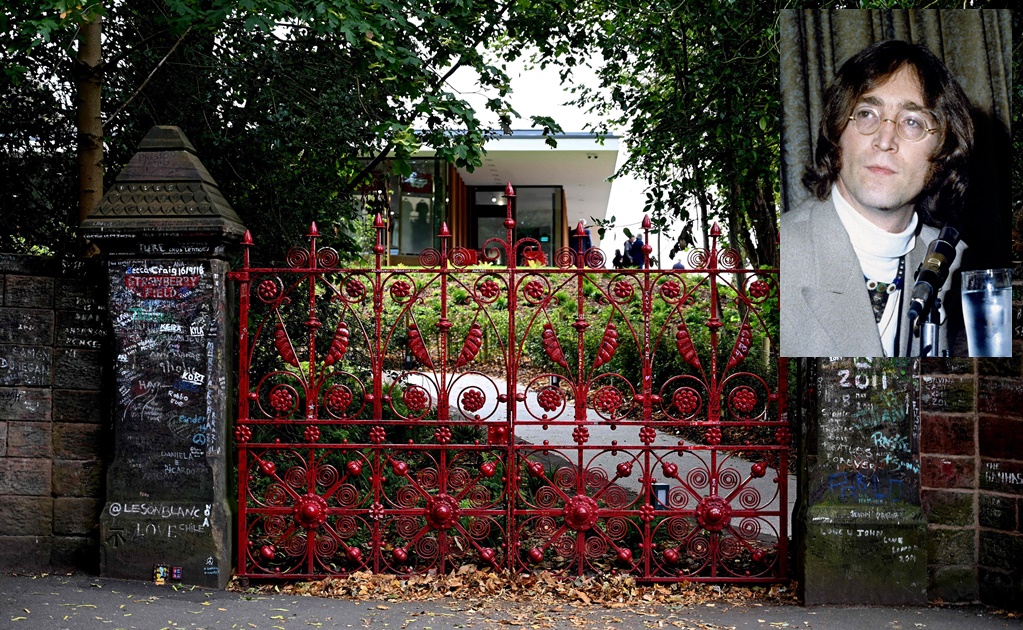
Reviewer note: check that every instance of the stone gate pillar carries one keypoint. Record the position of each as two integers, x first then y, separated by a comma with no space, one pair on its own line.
164,227
865,533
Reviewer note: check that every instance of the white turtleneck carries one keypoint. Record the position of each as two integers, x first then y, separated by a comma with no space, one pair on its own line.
879,252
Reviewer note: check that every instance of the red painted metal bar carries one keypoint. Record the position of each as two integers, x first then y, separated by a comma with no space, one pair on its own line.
641,425
510,401
242,433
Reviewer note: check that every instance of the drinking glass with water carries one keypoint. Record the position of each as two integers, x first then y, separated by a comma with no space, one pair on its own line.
987,312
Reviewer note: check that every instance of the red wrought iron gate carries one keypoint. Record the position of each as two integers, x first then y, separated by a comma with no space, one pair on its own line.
565,417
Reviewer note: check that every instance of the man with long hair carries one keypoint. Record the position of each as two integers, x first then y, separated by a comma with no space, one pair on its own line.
888,172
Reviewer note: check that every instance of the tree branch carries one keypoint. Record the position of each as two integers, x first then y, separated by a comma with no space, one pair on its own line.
369,167
113,61
148,78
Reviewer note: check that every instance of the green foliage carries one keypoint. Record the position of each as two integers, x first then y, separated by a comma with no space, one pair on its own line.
290,104
693,87
460,296
38,202
602,306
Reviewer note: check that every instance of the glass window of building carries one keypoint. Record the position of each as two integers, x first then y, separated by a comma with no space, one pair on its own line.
414,228
413,204
537,216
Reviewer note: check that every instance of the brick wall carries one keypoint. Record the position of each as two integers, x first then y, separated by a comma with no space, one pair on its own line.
1000,476
54,424
971,468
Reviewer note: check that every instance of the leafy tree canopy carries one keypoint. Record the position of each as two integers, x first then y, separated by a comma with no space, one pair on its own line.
289,103
692,87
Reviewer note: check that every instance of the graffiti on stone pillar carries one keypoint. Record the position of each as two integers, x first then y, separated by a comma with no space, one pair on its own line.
864,448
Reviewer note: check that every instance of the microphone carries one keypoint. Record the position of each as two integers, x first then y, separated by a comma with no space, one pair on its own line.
933,272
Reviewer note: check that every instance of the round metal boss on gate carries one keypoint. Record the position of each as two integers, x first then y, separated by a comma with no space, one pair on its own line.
310,511
580,513
442,511
713,513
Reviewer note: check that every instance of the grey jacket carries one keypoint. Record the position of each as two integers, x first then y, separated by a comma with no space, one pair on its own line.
825,308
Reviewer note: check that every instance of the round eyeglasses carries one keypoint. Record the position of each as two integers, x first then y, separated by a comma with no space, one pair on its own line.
911,126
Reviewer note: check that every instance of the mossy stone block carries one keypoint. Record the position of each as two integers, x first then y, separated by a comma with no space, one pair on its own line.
859,561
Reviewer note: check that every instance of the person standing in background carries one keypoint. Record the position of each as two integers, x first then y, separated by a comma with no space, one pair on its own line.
636,251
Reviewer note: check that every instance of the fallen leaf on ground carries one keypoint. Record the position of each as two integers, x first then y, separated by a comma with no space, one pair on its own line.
483,587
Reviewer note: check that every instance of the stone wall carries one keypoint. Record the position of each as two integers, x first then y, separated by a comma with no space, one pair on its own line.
972,478
54,423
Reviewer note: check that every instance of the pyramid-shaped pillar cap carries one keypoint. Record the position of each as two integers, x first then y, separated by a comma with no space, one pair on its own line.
164,201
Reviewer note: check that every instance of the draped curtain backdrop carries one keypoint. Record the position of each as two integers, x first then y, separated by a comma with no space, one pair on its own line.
976,45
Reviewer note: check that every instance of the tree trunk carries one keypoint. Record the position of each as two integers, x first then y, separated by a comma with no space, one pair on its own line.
766,223
701,197
88,79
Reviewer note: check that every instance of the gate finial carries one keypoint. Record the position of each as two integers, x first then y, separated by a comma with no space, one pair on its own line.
246,245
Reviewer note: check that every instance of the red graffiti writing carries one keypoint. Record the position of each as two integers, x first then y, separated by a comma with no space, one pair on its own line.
161,287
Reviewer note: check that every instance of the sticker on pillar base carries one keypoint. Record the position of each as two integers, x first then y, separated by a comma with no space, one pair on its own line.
160,573
211,568
175,573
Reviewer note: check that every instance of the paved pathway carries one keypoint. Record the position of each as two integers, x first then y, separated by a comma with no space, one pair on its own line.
82,602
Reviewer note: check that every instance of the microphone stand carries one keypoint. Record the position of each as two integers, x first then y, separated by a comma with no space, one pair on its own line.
924,316
928,331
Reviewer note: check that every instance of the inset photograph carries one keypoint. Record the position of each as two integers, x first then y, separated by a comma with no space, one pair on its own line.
895,174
